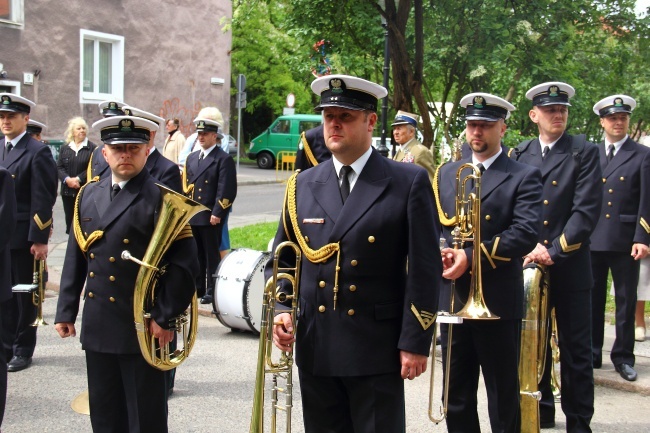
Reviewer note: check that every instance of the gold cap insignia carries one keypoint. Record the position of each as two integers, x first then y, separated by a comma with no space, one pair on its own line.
425,318
126,125
6,100
201,124
336,85
478,101
127,111
553,91
112,105
618,102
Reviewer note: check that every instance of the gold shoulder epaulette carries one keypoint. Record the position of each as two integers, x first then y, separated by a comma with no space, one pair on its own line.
308,152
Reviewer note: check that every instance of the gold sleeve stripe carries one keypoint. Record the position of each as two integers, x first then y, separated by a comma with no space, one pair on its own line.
565,245
187,189
307,149
186,232
494,251
84,243
645,225
40,224
225,203
447,222
487,256
425,318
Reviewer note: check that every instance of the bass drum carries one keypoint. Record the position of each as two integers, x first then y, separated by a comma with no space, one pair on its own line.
239,289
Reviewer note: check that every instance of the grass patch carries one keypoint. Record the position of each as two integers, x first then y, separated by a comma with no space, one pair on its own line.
254,236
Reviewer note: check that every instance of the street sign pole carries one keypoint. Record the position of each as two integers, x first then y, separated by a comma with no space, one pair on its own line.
241,103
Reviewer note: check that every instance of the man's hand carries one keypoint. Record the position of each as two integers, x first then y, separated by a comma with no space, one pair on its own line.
39,251
413,364
538,255
454,263
283,337
73,182
214,220
164,336
639,251
65,329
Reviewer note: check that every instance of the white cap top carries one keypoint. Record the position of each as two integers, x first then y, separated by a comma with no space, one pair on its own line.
614,104
136,112
485,106
15,104
551,93
348,92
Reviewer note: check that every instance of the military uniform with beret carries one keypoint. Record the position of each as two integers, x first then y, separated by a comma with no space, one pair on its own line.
33,170
214,179
125,393
572,196
624,221
359,307
413,151
510,195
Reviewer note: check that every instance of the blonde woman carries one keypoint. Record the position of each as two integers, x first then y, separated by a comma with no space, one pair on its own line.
72,164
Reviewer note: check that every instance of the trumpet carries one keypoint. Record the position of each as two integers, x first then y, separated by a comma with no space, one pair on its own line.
467,229
282,368
37,289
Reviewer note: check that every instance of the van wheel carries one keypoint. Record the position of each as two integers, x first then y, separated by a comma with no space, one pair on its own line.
265,160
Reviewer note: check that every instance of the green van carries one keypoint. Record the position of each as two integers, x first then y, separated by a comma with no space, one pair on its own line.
282,135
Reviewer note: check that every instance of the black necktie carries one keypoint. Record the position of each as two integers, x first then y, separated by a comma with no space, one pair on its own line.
8,147
200,157
345,182
480,167
116,189
610,154
545,152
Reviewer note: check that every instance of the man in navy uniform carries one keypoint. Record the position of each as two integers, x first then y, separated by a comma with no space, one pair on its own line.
8,224
33,170
370,270
160,168
410,149
510,203
35,129
214,176
622,234
120,212
571,194
311,149
97,166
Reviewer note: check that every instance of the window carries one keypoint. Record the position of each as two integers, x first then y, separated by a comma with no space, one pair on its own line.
282,127
11,13
307,124
102,67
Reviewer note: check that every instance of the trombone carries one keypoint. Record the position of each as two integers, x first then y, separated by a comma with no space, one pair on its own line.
37,289
467,229
283,367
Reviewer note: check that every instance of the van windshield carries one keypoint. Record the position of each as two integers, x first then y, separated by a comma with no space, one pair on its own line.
282,127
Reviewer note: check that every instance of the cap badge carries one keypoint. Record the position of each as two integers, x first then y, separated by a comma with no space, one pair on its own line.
6,100
127,111
478,102
112,106
553,91
126,125
337,85
618,102
201,124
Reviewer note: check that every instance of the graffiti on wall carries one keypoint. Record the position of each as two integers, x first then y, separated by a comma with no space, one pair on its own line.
172,108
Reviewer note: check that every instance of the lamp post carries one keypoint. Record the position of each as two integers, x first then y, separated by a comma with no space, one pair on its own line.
382,148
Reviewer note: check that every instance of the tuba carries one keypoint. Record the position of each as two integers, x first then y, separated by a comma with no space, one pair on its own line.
534,339
467,229
174,215
282,368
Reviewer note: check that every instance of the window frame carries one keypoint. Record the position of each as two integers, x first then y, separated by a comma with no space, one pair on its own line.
117,67
17,19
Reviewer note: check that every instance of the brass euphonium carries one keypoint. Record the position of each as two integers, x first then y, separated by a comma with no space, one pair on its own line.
283,367
534,339
467,229
175,212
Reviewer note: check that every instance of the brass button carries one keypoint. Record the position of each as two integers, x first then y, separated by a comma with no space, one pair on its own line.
609,203
92,255
554,183
200,190
112,299
91,295
545,242
112,278
350,312
13,176
307,239
607,216
446,215
371,239
487,217
622,179
354,262
86,234
111,259
206,181
611,191
321,284
91,275
321,308
546,202
545,223
604,180
353,288
126,241
199,197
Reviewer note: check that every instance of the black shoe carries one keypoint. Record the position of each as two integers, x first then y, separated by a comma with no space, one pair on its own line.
546,423
18,363
207,299
627,372
598,363
438,341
